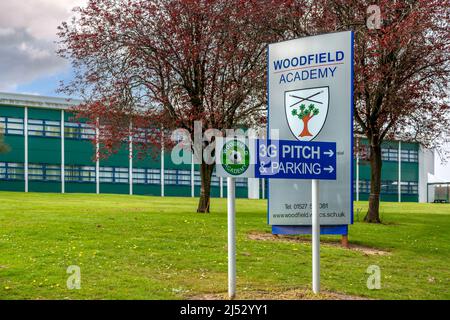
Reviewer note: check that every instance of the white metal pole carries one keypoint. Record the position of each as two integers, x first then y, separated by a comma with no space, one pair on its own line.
162,163
25,132
399,171
357,170
231,205
97,158
130,159
63,175
315,237
192,176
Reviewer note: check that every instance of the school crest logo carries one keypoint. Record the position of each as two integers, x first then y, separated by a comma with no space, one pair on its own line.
306,111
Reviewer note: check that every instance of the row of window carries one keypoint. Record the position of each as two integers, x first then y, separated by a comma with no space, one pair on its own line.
50,172
389,187
46,128
51,128
391,154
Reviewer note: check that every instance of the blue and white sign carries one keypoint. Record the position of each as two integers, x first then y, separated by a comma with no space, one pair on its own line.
310,99
283,159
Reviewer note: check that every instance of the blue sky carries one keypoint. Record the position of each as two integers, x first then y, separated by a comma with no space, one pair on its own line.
28,62
45,85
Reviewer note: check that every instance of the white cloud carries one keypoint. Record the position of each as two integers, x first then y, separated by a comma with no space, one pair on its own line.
27,35
24,58
6,31
39,17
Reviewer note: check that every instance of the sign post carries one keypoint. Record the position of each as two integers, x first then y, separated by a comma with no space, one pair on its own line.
315,236
233,159
231,208
274,159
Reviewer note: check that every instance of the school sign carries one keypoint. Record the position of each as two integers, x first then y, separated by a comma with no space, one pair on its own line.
310,140
310,97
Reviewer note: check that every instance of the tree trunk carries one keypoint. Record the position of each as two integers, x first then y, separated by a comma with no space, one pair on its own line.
305,132
373,214
206,171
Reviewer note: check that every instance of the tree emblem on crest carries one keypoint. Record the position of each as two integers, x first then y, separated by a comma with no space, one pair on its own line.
305,114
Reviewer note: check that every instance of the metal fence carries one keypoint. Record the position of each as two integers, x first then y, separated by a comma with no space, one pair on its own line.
438,192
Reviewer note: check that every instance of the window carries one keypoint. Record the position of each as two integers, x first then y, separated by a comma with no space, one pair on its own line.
389,154
121,175
241,182
139,176
79,174
197,178
44,172
145,135
114,175
154,176
410,187
184,177
81,131
170,177
13,126
389,187
215,180
364,186
409,155
106,174
44,128
146,176
12,171
86,132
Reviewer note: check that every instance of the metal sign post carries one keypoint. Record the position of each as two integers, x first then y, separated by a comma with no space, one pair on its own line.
315,236
274,159
231,207
233,160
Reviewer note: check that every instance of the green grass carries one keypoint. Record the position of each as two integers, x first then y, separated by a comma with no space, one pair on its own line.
134,247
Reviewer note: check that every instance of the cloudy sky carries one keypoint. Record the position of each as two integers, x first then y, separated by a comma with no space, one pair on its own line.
28,63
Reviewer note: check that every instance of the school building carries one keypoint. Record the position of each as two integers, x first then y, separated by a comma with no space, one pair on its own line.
50,152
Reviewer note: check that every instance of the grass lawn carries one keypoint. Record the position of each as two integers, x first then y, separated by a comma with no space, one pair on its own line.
135,247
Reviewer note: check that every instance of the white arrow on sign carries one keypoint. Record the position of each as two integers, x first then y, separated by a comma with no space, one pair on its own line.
329,153
330,169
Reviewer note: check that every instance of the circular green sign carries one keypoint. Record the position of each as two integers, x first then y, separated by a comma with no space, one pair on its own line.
235,157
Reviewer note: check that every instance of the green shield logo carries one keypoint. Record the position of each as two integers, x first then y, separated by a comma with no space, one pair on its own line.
235,157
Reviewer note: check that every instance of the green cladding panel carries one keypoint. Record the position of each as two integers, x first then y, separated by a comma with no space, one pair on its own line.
44,150
10,111
44,114
17,150
79,152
